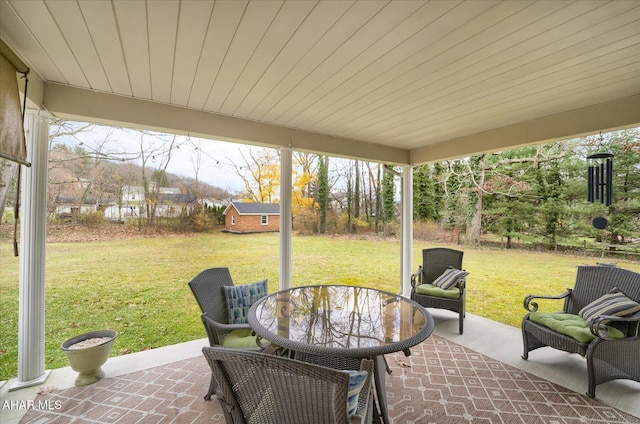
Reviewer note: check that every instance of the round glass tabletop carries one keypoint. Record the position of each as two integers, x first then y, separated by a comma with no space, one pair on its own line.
340,321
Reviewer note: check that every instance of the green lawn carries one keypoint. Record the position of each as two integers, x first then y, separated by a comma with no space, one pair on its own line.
139,287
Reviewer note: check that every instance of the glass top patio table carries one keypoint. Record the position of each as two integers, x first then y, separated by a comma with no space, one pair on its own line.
340,321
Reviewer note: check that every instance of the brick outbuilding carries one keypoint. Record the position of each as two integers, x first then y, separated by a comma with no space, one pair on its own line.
249,217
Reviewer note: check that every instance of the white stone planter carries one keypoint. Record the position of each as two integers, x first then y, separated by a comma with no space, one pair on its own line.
88,360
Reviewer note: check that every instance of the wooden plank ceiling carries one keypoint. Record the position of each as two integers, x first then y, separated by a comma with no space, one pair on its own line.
405,74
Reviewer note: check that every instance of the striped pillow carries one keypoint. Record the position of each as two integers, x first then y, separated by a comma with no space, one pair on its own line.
613,303
449,278
356,382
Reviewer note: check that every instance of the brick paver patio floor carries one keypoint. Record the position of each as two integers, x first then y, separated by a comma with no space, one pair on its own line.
441,382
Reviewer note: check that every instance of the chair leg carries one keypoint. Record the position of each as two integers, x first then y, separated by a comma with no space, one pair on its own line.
213,385
525,345
386,364
461,322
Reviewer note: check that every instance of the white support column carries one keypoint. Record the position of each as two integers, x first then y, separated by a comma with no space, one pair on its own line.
285,217
33,233
407,230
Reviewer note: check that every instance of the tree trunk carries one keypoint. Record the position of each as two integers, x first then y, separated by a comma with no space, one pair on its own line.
7,170
474,230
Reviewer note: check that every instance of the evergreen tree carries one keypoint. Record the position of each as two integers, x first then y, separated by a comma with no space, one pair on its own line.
323,191
551,204
425,201
349,202
624,213
388,195
356,194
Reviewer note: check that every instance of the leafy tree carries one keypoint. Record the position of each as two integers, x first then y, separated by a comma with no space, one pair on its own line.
507,196
454,192
426,204
356,194
551,203
323,191
260,172
304,179
388,195
624,213
508,176
376,187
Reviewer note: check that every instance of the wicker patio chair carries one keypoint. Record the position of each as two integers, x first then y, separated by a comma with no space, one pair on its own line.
434,263
207,288
258,388
607,358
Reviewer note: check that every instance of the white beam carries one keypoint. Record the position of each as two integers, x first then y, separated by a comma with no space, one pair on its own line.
33,235
108,109
407,230
285,217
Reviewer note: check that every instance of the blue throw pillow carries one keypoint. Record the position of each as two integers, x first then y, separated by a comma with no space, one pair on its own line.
356,381
240,299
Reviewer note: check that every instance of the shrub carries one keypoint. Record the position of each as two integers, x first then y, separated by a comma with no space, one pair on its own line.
93,219
201,222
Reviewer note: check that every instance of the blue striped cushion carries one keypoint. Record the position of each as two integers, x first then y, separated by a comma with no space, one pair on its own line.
613,303
240,299
449,278
356,381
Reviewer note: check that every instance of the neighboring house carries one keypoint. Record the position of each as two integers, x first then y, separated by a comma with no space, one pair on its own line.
245,217
68,206
170,204
174,205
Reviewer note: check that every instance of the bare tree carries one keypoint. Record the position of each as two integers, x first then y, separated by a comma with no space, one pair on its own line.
7,171
374,194
73,171
196,162
158,150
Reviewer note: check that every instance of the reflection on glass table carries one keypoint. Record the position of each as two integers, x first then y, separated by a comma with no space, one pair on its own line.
338,325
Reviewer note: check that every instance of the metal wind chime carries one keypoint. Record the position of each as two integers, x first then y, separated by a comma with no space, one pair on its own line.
600,178
600,182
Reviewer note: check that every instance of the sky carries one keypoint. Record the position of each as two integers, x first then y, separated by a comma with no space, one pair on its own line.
216,158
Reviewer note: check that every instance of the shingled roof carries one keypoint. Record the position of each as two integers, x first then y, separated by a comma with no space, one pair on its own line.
252,208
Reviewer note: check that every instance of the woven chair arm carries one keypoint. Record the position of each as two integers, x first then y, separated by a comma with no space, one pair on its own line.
599,328
217,331
462,283
532,306
222,326
416,277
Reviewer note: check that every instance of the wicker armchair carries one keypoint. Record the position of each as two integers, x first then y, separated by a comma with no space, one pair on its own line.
259,388
607,358
207,289
434,262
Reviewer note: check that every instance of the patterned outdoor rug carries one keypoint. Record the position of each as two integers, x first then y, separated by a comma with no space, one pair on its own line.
440,383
